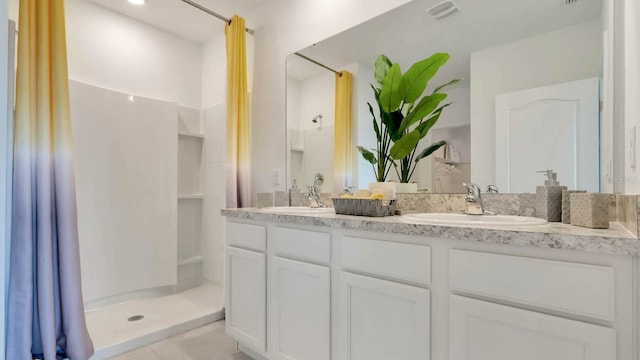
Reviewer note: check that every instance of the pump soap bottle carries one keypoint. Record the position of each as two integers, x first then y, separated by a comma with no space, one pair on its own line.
549,198
295,196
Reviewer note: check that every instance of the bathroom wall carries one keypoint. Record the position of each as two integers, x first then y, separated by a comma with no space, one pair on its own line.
632,93
125,159
563,55
115,52
291,25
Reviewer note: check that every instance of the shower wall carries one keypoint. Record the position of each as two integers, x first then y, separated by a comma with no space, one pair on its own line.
126,183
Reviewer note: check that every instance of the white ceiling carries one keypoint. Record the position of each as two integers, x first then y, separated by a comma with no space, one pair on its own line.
182,19
408,33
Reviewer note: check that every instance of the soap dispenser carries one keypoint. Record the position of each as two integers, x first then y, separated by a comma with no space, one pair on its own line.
295,195
549,198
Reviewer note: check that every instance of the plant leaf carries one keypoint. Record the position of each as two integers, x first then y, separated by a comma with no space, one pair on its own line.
393,125
425,126
405,145
382,67
368,155
425,107
429,150
454,81
416,78
375,123
392,91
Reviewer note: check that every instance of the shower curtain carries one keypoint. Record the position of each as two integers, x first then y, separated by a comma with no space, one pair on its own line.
342,143
45,306
238,140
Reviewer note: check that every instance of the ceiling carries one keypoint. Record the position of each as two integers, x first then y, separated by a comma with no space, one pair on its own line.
407,34
182,19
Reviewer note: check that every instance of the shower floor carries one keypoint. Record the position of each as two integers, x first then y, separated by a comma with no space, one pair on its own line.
164,317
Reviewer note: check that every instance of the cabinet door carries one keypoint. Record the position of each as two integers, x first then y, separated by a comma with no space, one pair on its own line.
301,305
481,330
246,297
382,320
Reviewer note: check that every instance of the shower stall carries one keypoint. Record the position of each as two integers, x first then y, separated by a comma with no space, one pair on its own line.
138,164
148,183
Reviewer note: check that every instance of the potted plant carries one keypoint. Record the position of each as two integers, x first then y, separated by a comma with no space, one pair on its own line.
405,115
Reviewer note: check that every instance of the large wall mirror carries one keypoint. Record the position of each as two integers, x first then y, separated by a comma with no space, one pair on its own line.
502,50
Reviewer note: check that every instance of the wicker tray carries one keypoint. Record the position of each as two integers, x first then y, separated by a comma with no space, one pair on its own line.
364,207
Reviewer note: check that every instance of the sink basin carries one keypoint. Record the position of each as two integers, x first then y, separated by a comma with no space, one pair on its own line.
298,210
471,220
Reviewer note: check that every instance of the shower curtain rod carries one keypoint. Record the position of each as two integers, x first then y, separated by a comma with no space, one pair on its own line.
319,64
210,12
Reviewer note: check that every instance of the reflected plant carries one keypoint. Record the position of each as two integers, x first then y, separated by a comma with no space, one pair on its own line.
405,116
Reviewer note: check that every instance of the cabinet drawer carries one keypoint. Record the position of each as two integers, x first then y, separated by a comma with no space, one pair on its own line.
392,260
575,288
302,244
246,236
482,330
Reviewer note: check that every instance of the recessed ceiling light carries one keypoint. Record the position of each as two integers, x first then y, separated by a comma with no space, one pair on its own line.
137,2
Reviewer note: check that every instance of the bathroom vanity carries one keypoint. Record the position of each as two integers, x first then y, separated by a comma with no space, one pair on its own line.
320,287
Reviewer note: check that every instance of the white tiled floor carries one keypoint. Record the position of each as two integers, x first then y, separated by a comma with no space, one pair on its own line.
205,343
164,316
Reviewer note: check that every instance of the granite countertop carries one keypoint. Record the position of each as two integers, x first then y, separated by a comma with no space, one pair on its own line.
615,240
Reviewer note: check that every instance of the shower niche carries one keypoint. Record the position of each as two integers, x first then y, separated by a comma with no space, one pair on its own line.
190,197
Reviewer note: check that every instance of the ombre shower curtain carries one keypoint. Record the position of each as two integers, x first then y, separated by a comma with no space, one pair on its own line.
238,137
45,308
342,142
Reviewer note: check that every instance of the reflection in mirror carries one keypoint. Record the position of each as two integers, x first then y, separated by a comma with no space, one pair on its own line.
310,122
498,47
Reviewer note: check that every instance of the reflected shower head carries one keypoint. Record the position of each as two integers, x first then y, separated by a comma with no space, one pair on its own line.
318,120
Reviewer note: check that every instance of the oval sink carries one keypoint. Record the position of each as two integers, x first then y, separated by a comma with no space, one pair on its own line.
472,220
298,210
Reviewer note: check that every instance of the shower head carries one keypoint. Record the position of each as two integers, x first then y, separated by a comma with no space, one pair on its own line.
317,120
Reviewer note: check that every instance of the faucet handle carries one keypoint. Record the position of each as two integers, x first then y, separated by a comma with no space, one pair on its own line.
492,189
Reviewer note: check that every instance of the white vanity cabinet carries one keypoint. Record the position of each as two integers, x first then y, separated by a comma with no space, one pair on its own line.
246,285
384,308
483,330
382,320
299,294
313,292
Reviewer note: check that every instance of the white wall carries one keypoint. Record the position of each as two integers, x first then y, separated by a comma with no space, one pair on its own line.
563,55
115,52
291,25
125,159
632,94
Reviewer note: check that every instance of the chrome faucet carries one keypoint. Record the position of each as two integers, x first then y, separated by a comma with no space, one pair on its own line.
474,200
313,192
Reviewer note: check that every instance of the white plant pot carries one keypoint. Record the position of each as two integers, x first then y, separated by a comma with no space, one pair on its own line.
406,188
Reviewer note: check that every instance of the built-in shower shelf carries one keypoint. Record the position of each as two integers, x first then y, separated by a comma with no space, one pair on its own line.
190,196
191,135
297,148
191,260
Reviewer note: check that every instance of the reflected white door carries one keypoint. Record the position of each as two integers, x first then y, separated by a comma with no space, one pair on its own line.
552,127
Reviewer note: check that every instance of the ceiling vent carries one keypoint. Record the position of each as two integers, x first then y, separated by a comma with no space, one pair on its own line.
445,8
570,1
